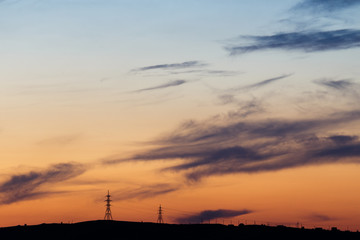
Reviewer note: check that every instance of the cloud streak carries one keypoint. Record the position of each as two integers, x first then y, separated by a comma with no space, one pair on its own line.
266,82
147,191
171,66
300,41
326,6
209,215
162,86
205,72
29,185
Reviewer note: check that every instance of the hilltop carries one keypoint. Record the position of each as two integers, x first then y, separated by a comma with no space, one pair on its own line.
137,230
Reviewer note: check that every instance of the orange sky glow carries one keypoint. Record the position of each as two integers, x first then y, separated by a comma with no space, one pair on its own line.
199,106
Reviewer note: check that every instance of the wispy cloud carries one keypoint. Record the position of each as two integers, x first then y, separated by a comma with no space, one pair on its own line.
235,145
208,215
335,84
146,191
165,85
245,108
30,185
325,5
207,72
171,66
300,41
266,82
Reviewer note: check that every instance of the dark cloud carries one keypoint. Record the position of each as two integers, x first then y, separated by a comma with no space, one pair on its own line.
235,145
172,66
342,151
28,185
325,5
301,41
343,139
216,131
166,85
147,191
208,215
335,84
267,81
320,217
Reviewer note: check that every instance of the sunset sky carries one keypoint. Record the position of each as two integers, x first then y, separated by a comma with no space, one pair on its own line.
223,111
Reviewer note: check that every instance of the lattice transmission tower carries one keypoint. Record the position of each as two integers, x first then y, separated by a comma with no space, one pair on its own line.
160,217
108,215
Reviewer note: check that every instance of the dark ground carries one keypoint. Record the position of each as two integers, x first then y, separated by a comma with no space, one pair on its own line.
135,230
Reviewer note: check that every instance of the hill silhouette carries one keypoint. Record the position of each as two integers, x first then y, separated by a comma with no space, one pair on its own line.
101,229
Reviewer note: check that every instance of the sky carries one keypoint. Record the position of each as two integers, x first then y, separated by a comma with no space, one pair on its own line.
221,111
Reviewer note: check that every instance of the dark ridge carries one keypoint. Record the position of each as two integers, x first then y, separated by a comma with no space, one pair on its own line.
138,230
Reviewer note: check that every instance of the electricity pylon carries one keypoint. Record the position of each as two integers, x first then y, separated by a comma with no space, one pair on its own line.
108,215
160,218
